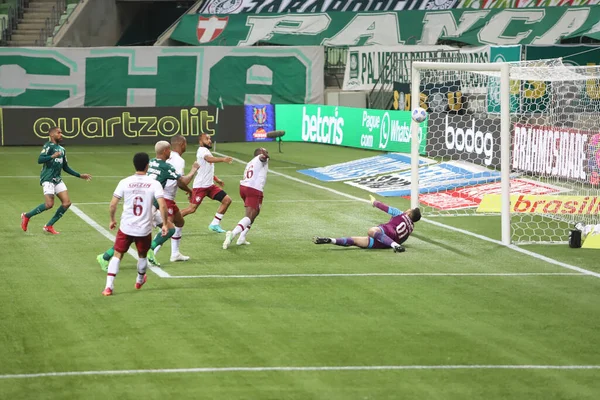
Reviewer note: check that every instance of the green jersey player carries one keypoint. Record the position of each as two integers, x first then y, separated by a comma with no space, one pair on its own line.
162,171
54,160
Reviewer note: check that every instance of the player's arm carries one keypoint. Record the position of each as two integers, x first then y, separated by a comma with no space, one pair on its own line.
186,179
76,174
213,159
112,208
393,211
218,181
45,157
184,187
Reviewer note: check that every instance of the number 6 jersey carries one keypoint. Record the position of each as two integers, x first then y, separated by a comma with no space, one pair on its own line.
138,193
255,174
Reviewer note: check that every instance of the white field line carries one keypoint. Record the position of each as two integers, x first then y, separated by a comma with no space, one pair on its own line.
158,271
458,230
300,369
379,274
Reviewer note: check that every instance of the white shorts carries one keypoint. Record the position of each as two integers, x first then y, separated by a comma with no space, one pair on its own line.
52,189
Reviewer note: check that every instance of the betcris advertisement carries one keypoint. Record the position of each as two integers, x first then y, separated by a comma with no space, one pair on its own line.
259,119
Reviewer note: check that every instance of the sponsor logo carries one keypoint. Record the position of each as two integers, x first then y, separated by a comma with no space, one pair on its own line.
322,128
471,196
354,64
434,178
593,156
389,129
210,28
538,204
550,151
259,114
469,140
370,166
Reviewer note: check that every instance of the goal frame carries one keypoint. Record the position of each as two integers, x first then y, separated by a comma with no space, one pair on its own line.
505,127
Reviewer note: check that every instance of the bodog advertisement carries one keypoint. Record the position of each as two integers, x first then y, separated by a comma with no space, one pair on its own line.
119,125
465,137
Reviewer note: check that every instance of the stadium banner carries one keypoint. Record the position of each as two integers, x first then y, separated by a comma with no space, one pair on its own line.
470,197
258,120
160,76
465,137
120,125
593,158
540,204
370,166
551,151
504,54
433,178
474,27
366,64
571,54
486,4
312,6
351,127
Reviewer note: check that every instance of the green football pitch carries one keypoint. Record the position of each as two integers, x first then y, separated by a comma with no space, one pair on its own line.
457,316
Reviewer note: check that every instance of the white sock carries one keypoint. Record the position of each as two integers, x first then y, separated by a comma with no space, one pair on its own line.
242,237
157,249
217,219
141,268
332,241
241,226
113,270
175,240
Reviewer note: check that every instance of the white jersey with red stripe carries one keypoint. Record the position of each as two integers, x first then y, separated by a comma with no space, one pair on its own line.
255,174
179,164
138,193
206,174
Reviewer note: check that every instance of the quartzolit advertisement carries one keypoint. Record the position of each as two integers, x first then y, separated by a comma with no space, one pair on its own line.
120,125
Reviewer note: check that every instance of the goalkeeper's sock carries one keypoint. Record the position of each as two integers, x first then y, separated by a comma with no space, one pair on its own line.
108,254
159,239
343,242
385,239
39,209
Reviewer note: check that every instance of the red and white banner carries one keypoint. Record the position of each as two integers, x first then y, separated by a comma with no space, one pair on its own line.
469,197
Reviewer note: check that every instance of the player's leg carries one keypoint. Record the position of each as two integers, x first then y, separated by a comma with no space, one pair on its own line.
362,241
158,241
195,201
190,209
253,214
179,222
63,194
48,189
143,245
122,243
225,201
379,235
242,226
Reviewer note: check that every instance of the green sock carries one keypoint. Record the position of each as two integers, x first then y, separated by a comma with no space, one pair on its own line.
58,215
39,209
159,239
108,254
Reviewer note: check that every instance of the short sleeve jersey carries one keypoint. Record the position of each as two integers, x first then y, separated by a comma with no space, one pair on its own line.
206,173
399,228
138,192
179,164
51,170
162,171
255,174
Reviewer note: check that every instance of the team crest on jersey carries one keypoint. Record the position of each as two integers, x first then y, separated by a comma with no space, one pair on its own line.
259,115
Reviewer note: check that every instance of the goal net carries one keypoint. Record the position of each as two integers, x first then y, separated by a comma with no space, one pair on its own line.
553,142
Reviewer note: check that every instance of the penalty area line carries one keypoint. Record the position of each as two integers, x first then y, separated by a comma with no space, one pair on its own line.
439,224
100,229
376,274
299,369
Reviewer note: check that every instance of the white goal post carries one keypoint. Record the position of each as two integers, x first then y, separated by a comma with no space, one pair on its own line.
532,125
504,70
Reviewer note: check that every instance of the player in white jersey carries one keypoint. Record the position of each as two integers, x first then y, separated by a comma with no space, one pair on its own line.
204,183
138,192
178,147
251,191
